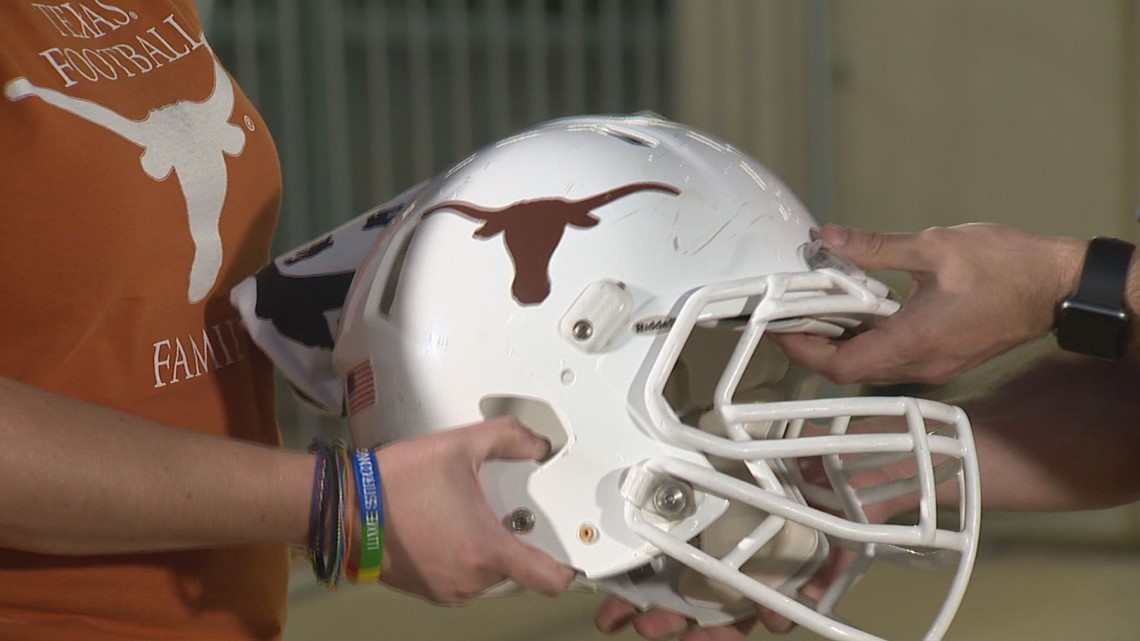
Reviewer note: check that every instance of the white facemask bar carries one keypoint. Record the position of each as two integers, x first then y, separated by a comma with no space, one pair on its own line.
820,293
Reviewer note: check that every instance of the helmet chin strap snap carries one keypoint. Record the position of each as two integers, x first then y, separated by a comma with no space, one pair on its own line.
599,313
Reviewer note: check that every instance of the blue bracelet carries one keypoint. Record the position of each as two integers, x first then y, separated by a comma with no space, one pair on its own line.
371,505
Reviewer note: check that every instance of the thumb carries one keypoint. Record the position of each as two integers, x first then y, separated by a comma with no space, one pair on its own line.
873,251
535,569
503,437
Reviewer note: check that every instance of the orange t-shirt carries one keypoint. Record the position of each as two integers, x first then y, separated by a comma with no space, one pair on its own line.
138,185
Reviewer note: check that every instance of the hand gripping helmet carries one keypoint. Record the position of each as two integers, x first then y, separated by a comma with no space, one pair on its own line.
611,281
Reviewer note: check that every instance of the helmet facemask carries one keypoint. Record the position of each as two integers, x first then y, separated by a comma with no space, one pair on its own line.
802,478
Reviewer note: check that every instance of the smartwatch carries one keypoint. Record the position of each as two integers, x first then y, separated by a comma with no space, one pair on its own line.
1094,319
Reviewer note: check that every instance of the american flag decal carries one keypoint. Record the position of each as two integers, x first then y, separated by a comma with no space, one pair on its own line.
359,387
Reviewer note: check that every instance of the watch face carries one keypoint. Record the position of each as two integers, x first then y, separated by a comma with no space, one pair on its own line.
1092,329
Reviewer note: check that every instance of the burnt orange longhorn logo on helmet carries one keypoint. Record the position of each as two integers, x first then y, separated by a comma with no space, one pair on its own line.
532,230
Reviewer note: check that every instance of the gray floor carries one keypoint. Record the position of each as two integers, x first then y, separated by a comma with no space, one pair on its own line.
1021,593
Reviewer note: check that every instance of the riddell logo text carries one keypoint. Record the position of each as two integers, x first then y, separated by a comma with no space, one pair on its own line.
654,325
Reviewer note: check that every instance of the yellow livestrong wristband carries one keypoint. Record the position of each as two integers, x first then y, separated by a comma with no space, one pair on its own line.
371,506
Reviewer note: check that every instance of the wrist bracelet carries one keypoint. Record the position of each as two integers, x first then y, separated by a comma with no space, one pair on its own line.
327,536
320,478
370,506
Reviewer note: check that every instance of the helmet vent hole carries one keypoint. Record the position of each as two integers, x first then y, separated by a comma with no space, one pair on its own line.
388,296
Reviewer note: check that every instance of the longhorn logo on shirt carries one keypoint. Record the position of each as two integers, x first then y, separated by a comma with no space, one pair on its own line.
188,139
533,229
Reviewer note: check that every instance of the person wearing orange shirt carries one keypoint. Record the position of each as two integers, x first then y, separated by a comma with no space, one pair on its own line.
145,492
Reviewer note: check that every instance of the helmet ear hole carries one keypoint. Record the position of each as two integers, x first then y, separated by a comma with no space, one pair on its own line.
535,414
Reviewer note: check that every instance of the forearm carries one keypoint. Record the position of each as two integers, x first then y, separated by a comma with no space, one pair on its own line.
81,479
1063,434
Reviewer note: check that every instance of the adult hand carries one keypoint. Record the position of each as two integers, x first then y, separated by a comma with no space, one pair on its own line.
977,290
441,539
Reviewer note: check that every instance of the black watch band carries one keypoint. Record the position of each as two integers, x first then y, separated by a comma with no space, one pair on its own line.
1094,319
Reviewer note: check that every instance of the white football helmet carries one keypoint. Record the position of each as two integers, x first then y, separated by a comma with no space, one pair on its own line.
610,281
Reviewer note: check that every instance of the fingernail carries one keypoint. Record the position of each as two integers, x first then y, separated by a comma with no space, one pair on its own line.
614,625
837,237
610,627
676,629
813,233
